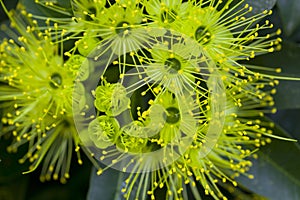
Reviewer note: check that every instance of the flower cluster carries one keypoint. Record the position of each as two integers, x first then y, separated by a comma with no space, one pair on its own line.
37,81
156,88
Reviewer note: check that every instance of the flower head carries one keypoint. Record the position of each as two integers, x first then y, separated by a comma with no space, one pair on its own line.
165,13
227,33
118,26
243,131
36,97
111,98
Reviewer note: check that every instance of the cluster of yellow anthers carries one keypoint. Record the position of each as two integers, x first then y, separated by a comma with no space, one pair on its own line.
36,97
155,88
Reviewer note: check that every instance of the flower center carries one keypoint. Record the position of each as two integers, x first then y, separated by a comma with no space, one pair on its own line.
173,115
173,65
202,35
122,28
168,16
56,80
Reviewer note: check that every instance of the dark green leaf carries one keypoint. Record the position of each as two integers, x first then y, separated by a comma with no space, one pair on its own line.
289,120
109,184
260,5
290,14
239,193
105,186
276,171
296,36
48,11
288,93
9,4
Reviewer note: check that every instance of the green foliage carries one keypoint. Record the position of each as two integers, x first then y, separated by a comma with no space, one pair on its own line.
290,15
276,170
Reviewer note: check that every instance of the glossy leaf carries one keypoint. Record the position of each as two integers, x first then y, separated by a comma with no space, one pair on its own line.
290,14
105,186
288,93
276,171
260,5
9,4
289,119
48,11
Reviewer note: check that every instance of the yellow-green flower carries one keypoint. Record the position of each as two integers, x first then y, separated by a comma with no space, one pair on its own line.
227,34
242,133
111,98
166,13
103,131
36,97
117,27
172,65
